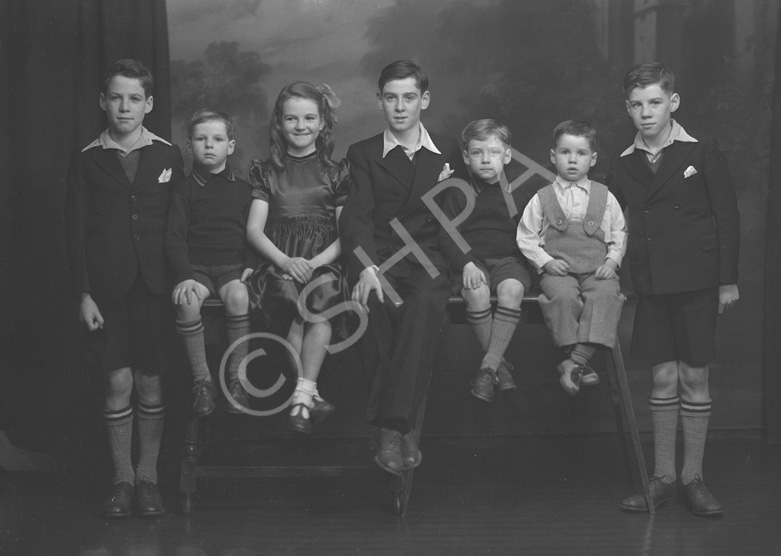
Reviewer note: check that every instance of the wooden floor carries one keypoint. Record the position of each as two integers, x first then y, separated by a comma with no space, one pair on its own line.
472,496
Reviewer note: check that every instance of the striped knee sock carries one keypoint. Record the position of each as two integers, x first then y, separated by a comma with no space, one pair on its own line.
694,422
505,321
238,327
582,353
664,416
481,322
119,425
151,420
194,347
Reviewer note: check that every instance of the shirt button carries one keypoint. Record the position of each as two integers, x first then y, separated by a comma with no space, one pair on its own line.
134,217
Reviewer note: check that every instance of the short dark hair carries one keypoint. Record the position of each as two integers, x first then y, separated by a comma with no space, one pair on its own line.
210,115
482,130
402,69
652,73
131,69
578,128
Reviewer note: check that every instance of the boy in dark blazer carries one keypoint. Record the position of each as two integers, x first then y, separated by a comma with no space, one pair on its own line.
116,207
399,273
683,258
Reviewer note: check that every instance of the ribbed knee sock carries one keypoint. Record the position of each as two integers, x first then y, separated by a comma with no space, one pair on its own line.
151,420
582,353
505,321
238,327
664,416
119,425
481,322
694,422
194,347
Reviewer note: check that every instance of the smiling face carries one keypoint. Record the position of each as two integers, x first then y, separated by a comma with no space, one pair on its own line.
402,102
125,104
573,157
487,158
301,125
211,145
651,110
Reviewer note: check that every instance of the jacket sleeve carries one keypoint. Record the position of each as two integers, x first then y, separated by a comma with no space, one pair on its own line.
356,223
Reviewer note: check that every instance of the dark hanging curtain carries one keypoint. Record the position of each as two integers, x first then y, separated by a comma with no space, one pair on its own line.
773,269
53,54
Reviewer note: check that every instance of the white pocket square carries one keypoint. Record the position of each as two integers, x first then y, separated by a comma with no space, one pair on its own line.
690,171
445,173
165,176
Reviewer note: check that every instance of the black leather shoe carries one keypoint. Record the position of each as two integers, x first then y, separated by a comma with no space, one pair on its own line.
483,385
411,456
504,380
300,422
239,395
662,494
699,500
118,502
389,451
320,409
149,503
203,404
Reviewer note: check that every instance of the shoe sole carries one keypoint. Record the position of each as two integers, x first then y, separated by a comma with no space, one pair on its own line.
151,514
709,513
321,415
482,398
116,515
387,469
206,414
659,504
506,388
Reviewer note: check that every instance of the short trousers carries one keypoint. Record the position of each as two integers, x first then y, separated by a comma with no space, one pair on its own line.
137,332
499,270
214,277
676,327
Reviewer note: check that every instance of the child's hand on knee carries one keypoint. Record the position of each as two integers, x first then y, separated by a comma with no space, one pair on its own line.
473,276
556,267
607,271
186,291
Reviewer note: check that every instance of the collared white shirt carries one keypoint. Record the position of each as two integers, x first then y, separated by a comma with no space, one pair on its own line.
389,142
106,142
573,198
677,133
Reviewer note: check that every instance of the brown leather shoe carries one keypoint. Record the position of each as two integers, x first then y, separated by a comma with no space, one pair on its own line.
483,385
203,404
149,503
411,456
662,494
239,395
118,502
504,380
389,451
699,500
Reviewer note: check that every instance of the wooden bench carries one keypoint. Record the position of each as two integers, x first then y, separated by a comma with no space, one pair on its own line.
400,487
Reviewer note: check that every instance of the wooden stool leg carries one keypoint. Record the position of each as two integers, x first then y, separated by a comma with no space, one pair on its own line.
626,399
189,463
615,398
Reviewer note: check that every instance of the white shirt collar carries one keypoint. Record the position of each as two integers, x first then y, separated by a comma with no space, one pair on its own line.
563,184
676,134
389,142
106,142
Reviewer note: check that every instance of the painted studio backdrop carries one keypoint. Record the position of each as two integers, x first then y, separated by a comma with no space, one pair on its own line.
529,64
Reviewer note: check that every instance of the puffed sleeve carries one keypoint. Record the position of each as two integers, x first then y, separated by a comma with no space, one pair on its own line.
257,176
342,182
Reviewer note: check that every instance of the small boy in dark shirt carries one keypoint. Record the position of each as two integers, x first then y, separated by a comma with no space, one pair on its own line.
493,264
209,253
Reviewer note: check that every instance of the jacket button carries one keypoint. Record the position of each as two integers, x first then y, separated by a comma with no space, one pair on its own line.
676,206
559,221
133,198
650,238
646,211
134,217
136,238
590,222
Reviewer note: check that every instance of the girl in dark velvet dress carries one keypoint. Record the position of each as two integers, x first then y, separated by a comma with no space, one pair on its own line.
298,194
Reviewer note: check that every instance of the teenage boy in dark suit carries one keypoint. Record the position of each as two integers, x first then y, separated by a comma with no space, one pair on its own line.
683,244
116,207
391,236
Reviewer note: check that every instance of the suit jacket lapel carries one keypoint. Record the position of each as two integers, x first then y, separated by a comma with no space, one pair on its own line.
427,170
108,161
673,159
148,166
399,166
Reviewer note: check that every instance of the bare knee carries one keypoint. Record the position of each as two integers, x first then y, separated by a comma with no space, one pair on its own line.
149,388
479,298
665,379
118,387
235,298
694,382
189,311
510,293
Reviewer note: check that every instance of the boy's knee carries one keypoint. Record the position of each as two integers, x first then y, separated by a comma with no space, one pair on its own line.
235,298
477,298
510,293
119,383
665,375
188,312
